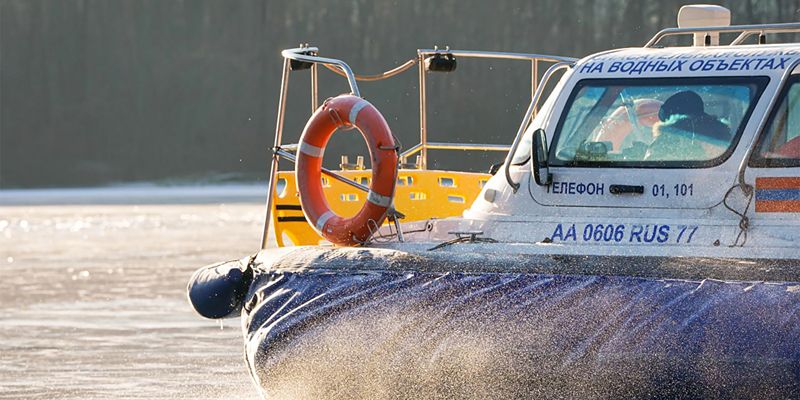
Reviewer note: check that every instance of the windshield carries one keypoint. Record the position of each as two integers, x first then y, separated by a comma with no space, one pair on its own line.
689,122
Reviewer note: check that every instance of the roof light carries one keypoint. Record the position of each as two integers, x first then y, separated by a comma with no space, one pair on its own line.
702,15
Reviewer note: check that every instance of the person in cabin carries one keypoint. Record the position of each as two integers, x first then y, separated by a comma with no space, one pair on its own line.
618,129
685,132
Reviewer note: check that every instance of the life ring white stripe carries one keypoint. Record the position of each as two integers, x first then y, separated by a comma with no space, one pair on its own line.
379,200
311,150
356,109
324,219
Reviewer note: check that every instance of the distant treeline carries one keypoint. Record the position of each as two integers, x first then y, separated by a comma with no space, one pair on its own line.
98,91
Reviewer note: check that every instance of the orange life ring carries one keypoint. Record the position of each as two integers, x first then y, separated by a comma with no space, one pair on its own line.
346,110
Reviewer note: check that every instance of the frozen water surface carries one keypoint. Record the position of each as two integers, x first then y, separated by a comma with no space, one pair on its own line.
92,297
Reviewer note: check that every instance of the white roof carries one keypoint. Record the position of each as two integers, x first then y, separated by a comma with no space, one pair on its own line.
760,60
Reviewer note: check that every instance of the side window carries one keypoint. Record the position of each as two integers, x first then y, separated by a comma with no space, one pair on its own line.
779,145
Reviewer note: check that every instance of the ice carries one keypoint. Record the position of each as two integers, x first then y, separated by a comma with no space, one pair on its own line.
92,291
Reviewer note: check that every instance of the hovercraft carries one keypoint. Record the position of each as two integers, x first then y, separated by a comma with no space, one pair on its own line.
640,239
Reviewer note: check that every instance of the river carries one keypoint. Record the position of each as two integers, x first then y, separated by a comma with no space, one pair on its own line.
92,292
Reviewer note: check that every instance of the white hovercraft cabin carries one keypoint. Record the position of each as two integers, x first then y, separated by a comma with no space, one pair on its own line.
654,151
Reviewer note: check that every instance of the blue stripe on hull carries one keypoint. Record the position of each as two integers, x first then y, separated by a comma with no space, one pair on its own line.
778,194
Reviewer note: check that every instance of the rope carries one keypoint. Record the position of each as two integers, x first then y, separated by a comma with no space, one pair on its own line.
744,221
377,77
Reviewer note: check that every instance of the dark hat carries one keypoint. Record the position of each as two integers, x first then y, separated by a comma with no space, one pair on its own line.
684,103
690,105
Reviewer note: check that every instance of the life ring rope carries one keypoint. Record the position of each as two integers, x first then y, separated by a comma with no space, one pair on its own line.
311,150
355,110
323,219
378,200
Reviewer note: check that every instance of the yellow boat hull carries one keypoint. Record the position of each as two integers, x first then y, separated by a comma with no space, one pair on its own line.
419,195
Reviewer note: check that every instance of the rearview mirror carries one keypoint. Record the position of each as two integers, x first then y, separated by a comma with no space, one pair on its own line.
539,168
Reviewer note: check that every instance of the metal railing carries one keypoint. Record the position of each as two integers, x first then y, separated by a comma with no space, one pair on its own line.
308,58
308,54
422,54
745,31
417,148
529,114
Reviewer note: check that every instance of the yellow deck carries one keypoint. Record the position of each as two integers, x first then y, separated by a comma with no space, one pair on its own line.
420,195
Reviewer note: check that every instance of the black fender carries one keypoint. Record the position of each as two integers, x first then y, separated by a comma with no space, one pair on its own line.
218,290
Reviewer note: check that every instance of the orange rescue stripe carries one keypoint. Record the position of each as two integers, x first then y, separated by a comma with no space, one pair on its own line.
778,183
778,206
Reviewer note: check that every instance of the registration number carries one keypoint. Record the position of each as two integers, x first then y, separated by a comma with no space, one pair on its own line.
624,233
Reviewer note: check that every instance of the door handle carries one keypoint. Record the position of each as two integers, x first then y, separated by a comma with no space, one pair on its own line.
626,189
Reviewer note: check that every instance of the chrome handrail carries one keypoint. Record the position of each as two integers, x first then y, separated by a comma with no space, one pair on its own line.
454,146
291,157
292,147
795,27
527,119
273,171
746,31
468,146
301,54
500,55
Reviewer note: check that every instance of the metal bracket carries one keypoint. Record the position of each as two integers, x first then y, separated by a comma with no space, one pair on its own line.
471,236
464,237
395,217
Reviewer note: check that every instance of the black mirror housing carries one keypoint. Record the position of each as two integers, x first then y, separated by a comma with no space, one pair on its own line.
441,63
539,168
